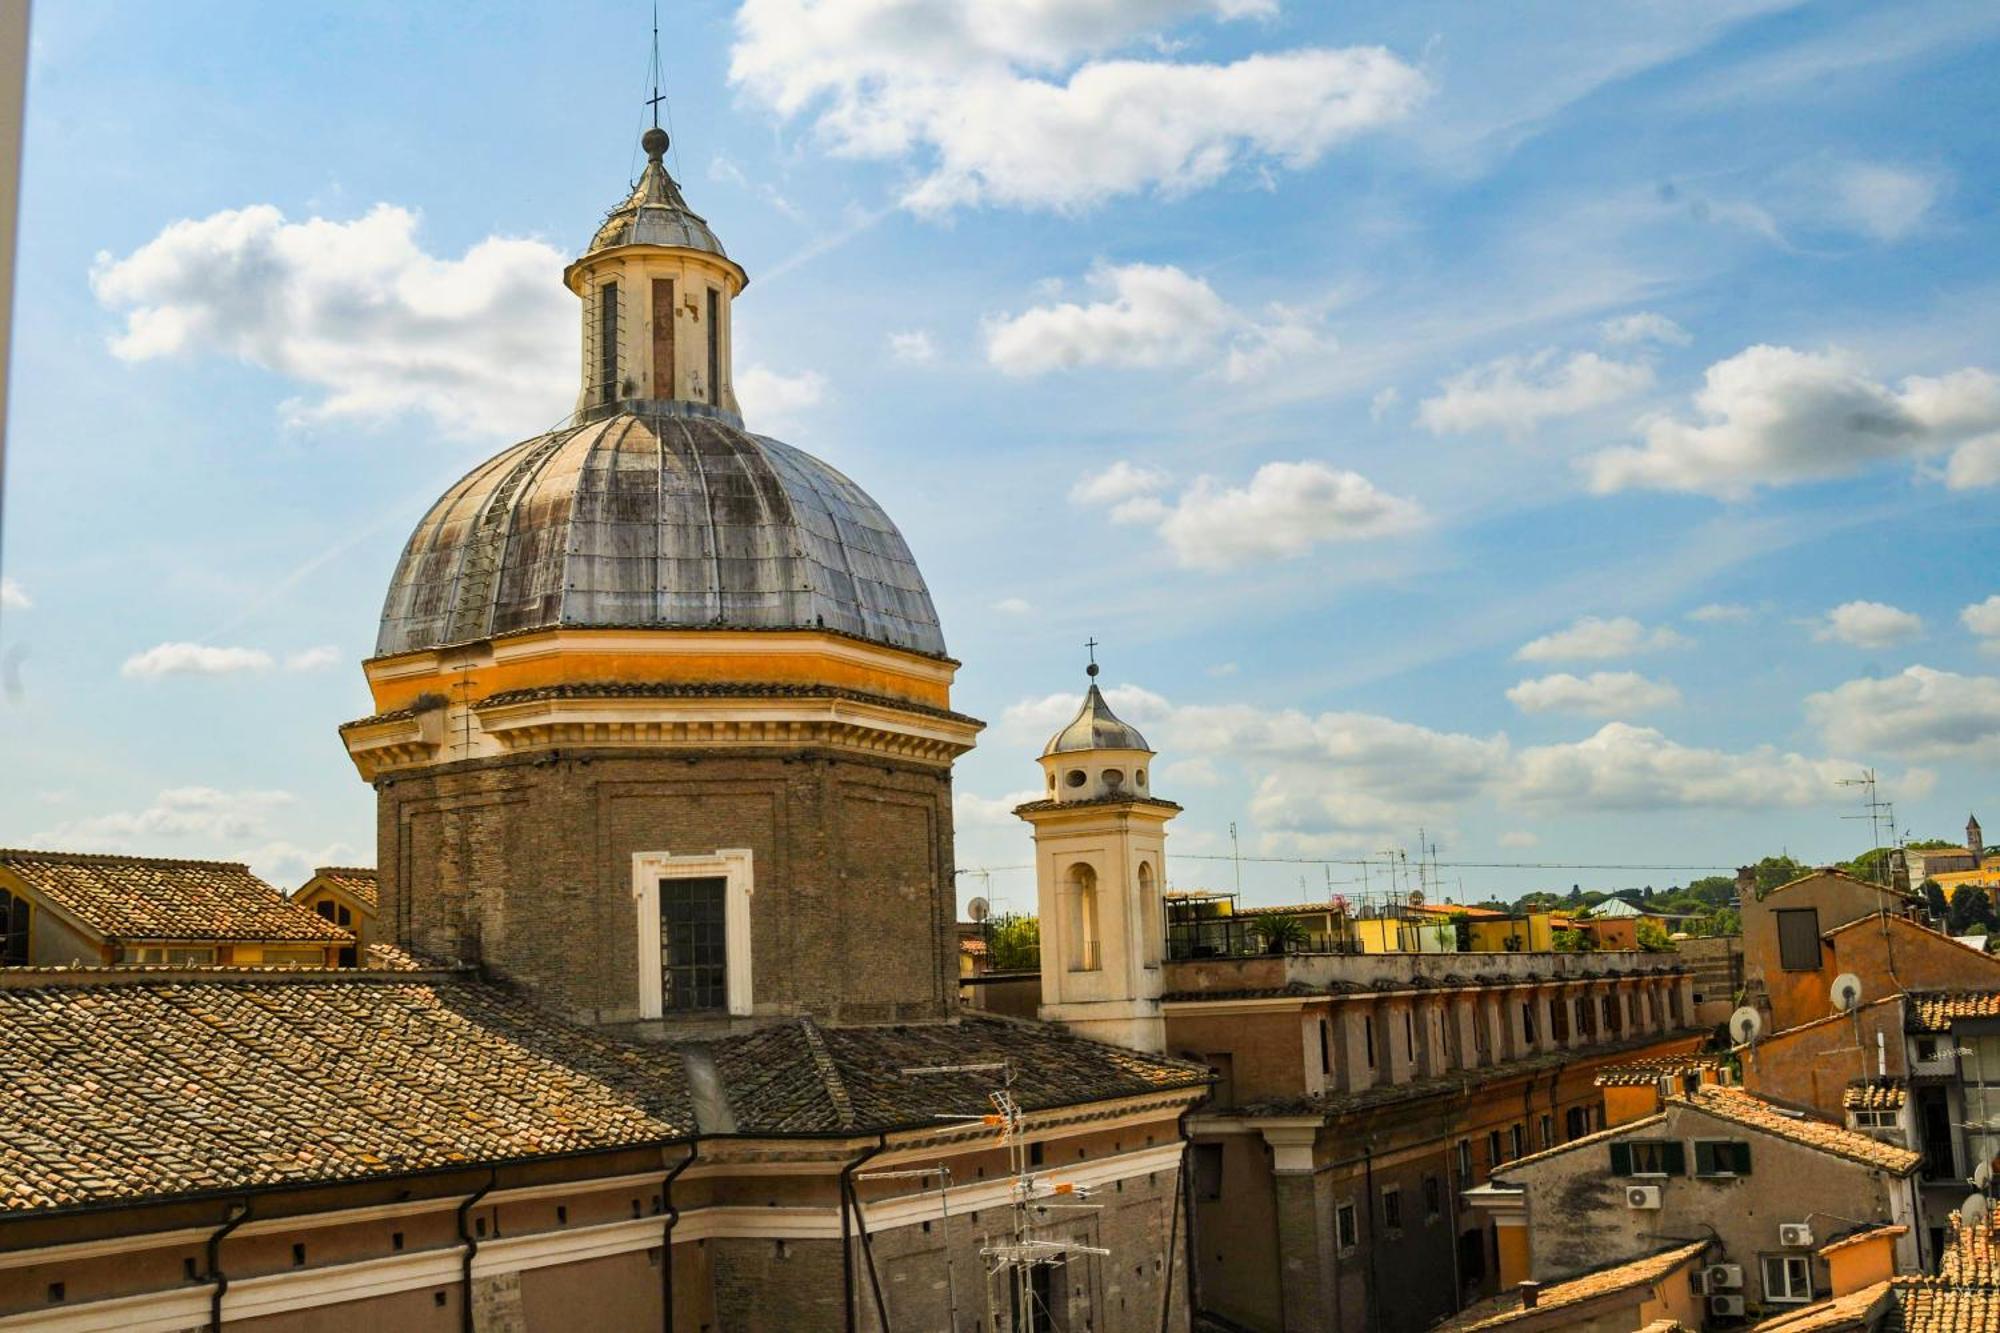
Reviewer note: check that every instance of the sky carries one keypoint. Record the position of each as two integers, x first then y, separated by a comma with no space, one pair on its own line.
1566,436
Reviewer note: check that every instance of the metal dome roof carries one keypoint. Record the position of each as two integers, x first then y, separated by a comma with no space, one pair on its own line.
665,516
655,213
1096,727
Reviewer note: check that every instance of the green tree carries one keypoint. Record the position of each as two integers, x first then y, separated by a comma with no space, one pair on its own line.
1281,934
1654,940
1014,943
1572,941
1723,921
1971,911
1934,896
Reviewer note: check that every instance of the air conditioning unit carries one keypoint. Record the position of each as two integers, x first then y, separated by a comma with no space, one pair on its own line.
1795,1234
1730,1306
1642,1196
1721,1276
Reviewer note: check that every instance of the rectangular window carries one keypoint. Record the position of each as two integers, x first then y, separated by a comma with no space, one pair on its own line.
1519,1141
1325,1049
14,917
1347,1224
1433,1198
1409,1036
1493,1157
1465,1161
1721,1157
1528,1023
1798,939
607,343
1787,1278
1208,1171
171,955
694,944
1648,1157
1548,1139
324,908
1392,1208
714,346
663,337
1368,1035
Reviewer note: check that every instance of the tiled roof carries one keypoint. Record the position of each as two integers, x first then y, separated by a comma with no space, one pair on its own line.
1875,1094
1936,1011
152,898
356,881
136,1090
1583,1141
1855,1310
974,946
1734,1104
1881,1231
1645,1073
1970,1258
1287,909
1963,1297
795,1078
1604,1282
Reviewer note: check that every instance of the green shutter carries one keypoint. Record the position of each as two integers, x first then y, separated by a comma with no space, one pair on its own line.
1674,1157
1742,1157
1621,1159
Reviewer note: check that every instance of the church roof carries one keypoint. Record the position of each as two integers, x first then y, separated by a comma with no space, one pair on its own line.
1095,727
131,1088
157,898
655,213
662,517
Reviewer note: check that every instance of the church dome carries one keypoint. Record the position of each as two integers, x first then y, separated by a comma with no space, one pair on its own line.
663,516
1095,727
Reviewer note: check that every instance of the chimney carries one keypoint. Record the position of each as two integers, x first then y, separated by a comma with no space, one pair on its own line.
1531,1291
1746,885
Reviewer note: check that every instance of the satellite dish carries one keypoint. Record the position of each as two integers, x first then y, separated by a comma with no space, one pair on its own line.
1846,992
978,909
1745,1024
1972,1213
1416,898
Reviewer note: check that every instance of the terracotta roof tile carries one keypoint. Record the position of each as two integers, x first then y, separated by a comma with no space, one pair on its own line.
1643,1073
356,881
1852,1311
1734,1104
1936,1011
152,898
1858,1235
138,1090
1875,1094
1604,1282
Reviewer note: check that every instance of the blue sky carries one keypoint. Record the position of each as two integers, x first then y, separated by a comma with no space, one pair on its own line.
1570,430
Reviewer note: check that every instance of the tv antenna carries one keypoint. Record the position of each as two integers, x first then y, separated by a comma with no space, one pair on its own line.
1880,815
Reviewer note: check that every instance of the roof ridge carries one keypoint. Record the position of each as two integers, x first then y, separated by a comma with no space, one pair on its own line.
829,1072
345,870
114,858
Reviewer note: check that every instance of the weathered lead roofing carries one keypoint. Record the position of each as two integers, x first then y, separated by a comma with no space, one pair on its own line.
655,213
1096,727
655,518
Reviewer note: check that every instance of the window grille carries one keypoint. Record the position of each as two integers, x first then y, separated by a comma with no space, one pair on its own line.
694,942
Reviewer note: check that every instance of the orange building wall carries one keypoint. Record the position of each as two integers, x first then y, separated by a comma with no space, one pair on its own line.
1813,1064
1861,1264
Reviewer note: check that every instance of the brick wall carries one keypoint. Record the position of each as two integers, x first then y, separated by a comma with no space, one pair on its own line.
525,865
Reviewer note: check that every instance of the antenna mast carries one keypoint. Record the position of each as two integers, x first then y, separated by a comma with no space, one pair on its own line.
1880,814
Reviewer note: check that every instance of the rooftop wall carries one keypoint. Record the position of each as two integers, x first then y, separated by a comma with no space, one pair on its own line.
1369,971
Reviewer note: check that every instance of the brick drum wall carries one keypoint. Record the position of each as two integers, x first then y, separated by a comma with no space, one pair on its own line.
525,865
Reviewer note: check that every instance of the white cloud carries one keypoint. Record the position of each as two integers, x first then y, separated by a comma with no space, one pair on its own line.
1624,767
1284,511
1715,613
193,659
1221,669
313,659
1118,483
772,398
1514,394
1384,402
178,812
914,348
1150,316
1983,619
1010,102
1868,625
1773,416
1881,200
969,809
1038,719
1919,713
1013,606
1592,637
358,311
1187,773
1600,694
1518,838
13,597
1646,326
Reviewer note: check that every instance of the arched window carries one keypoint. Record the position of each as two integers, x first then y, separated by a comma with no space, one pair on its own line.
1086,953
1149,912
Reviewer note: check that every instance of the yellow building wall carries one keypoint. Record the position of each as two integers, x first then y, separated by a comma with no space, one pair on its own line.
1622,1105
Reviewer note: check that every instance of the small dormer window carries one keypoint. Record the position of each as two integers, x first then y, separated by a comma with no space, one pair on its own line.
1074,778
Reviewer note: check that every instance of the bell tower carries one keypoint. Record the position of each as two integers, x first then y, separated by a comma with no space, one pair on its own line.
1100,870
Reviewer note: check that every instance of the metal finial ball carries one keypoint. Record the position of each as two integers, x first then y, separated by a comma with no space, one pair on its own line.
1091,670
655,142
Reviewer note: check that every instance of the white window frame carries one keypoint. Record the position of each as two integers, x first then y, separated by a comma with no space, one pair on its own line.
732,865
1785,1263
